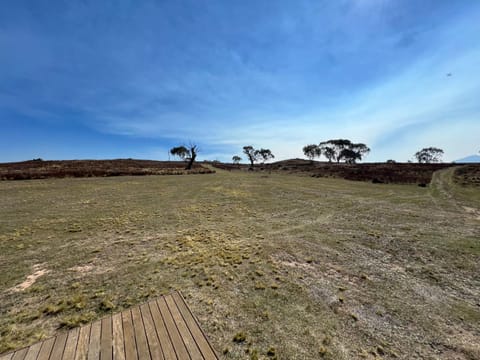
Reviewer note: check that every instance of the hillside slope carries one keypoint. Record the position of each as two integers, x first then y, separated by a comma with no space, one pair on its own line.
39,169
395,173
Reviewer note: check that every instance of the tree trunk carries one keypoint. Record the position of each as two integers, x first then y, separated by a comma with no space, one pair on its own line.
191,160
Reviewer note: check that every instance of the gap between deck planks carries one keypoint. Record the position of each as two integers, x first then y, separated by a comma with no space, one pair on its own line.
163,328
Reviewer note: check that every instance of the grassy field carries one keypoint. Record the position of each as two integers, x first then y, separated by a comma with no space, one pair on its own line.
274,266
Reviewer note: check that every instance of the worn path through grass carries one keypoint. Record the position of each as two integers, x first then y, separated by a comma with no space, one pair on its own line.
273,265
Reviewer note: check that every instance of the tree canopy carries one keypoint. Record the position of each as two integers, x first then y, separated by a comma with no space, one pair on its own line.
349,156
429,155
338,150
236,159
312,151
187,154
265,154
255,155
179,151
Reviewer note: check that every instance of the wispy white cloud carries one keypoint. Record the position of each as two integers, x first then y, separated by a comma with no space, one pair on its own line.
420,106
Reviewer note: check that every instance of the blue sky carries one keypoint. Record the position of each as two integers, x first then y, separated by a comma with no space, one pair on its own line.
120,79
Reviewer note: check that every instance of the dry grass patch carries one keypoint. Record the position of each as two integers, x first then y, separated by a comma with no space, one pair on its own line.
274,266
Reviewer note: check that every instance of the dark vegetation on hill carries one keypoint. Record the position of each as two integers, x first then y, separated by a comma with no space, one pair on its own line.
468,175
400,173
39,169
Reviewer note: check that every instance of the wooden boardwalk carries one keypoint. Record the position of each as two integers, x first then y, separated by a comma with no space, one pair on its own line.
164,328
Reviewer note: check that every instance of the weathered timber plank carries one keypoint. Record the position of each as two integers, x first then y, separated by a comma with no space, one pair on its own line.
46,349
129,336
140,338
94,344
7,356
20,354
202,342
71,344
59,346
165,342
106,342
187,338
150,331
118,340
33,351
175,337
83,341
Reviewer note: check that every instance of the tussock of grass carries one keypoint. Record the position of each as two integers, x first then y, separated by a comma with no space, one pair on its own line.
53,309
240,337
106,305
72,321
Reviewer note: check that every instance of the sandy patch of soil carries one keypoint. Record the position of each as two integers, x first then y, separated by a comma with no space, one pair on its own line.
82,269
38,271
89,269
472,211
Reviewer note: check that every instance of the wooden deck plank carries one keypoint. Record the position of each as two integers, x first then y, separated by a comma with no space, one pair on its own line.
46,349
33,351
118,341
71,344
182,327
165,342
150,331
59,346
207,351
163,329
20,354
83,340
140,337
7,356
106,342
129,336
175,337
94,344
